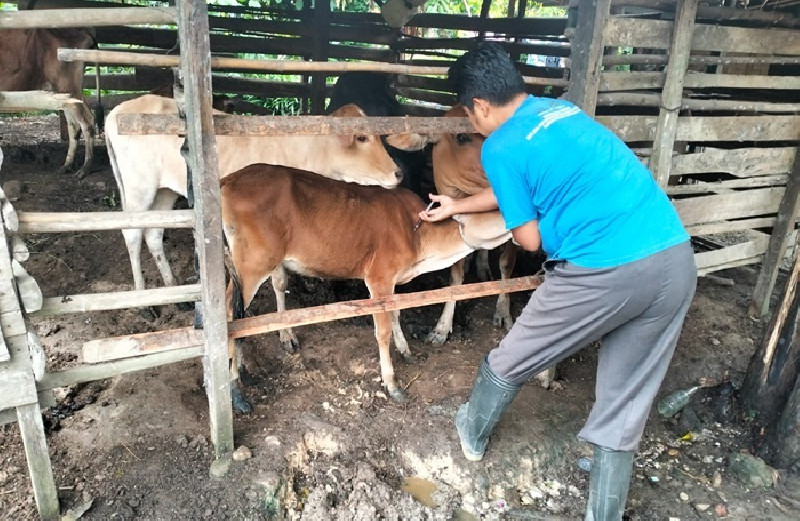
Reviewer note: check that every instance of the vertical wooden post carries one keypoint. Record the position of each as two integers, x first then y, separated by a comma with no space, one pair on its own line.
672,94
788,214
196,69
31,429
322,20
587,53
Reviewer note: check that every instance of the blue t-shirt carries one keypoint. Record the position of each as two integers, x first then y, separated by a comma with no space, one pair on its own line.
597,204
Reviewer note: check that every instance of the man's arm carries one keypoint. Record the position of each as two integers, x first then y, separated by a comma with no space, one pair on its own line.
527,236
483,201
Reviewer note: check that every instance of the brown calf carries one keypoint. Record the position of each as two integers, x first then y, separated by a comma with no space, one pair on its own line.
278,218
29,61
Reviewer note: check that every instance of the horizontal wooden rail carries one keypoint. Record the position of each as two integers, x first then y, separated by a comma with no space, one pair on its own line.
89,373
118,300
294,125
86,17
165,341
35,100
56,222
660,59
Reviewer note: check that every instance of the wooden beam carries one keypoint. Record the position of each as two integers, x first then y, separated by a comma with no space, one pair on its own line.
709,128
209,242
740,162
86,17
672,94
31,428
105,350
702,187
35,99
788,214
730,226
57,222
706,261
296,125
621,81
587,53
118,300
730,205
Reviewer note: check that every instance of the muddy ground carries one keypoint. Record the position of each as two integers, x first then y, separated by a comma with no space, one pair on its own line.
324,442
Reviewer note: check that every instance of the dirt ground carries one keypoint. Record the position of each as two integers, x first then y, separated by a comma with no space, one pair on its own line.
324,442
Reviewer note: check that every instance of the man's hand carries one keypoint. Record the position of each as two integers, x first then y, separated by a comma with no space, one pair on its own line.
445,210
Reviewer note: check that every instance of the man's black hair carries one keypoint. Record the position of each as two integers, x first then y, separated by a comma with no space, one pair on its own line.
486,72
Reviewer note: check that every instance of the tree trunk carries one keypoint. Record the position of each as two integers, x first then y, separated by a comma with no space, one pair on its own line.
771,385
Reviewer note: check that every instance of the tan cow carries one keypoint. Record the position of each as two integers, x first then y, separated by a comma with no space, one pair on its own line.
151,172
278,219
457,172
29,61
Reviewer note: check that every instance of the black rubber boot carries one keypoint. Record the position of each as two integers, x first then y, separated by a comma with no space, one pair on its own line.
609,481
491,395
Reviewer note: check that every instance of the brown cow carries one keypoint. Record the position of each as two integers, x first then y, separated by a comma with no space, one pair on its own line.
277,219
457,172
29,61
151,173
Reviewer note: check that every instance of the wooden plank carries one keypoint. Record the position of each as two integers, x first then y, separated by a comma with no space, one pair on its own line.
728,265
209,241
788,214
621,81
730,39
722,186
4,354
35,99
103,350
587,53
297,125
118,300
740,162
16,388
631,32
86,17
746,250
667,125
41,472
730,226
647,99
90,373
54,222
732,205
709,128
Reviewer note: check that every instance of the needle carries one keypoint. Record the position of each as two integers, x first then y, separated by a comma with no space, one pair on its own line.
419,221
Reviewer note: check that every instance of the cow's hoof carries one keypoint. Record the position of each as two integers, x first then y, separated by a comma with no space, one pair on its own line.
503,321
240,403
185,306
398,395
149,313
64,169
83,172
290,346
436,338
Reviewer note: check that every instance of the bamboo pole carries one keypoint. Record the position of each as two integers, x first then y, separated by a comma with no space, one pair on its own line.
86,17
297,125
671,95
56,222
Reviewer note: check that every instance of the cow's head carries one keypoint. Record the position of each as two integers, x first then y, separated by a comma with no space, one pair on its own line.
455,156
361,158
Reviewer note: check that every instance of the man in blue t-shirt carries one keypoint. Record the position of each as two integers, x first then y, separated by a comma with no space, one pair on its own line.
620,266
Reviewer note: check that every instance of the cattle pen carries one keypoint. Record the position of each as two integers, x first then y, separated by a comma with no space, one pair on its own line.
706,95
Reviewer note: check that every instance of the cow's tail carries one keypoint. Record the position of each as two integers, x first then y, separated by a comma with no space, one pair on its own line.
112,158
237,300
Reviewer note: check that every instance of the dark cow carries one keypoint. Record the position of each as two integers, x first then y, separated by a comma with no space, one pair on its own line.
29,61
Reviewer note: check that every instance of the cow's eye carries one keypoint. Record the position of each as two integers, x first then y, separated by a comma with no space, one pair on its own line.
362,139
463,139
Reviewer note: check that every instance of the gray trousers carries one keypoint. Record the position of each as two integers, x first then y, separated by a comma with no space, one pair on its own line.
636,309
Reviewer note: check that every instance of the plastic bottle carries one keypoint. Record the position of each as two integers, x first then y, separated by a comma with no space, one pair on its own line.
723,404
671,404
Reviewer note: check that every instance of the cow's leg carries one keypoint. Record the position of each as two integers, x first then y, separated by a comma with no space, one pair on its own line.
133,242
279,279
240,403
400,341
444,326
502,314
154,237
482,269
72,118
383,334
86,122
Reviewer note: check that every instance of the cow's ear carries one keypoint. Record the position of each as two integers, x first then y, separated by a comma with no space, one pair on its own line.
411,142
346,140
